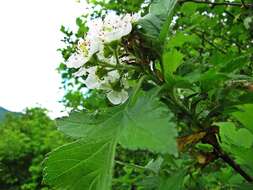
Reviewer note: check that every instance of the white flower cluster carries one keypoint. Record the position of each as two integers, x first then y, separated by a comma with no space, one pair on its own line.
101,33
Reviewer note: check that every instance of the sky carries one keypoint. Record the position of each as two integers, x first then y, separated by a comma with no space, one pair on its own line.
29,39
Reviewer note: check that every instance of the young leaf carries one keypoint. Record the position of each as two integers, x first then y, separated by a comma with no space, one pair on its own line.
239,137
238,143
154,22
171,61
174,182
155,165
245,116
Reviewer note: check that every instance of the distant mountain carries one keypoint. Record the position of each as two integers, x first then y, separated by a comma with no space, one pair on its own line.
4,111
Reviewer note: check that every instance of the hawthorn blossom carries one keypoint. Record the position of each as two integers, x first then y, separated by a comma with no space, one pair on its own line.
81,72
95,27
112,28
114,96
107,81
124,82
110,60
89,46
86,49
117,97
92,81
115,27
102,32
76,60
112,76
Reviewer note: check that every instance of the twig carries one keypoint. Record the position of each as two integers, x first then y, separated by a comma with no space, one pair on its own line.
202,36
225,3
211,139
244,4
130,165
233,164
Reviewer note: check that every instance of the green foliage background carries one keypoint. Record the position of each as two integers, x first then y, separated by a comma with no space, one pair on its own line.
25,139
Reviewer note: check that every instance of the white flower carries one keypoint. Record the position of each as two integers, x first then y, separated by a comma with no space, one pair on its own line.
92,70
126,25
115,27
110,60
125,82
127,59
117,97
92,81
95,27
112,76
101,56
86,49
135,17
89,46
82,71
76,60
112,28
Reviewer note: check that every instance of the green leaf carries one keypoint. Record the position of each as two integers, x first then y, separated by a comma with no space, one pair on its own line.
171,61
179,39
87,163
157,19
174,182
150,182
189,8
234,64
144,125
147,125
239,137
245,116
243,157
82,165
238,143
155,165
244,187
90,124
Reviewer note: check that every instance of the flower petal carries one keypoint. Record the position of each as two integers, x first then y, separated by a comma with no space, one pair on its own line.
116,97
92,81
76,60
82,71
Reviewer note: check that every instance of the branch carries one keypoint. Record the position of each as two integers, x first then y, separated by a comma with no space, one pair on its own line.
233,164
203,37
211,139
225,3
130,165
244,4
